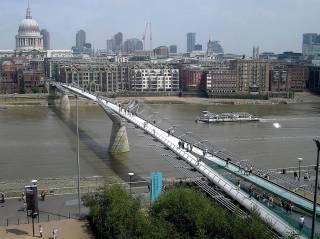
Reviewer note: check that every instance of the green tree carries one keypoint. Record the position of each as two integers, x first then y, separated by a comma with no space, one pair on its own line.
116,214
191,213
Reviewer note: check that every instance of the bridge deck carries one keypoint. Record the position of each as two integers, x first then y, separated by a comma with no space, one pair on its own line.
280,225
265,184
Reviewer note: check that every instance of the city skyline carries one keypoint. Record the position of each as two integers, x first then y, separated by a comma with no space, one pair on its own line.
249,22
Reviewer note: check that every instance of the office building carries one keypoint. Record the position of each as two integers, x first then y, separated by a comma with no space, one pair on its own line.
191,41
118,39
161,51
173,49
311,45
197,47
110,45
221,79
313,83
80,38
46,39
132,45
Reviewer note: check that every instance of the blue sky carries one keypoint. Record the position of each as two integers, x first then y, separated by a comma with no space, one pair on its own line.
274,25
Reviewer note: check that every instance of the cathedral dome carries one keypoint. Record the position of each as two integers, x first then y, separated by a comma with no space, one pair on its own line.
29,26
29,37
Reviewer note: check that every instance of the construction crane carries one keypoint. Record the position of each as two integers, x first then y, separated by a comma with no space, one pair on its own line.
144,36
150,36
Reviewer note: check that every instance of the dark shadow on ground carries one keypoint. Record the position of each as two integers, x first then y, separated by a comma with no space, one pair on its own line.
16,231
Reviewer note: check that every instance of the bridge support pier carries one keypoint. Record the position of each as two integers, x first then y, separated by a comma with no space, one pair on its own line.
52,95
119,139
64,103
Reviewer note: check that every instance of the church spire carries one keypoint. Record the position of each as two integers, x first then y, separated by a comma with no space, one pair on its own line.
28,15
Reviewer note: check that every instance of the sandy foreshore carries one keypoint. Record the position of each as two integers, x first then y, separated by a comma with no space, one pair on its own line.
36,100
301,97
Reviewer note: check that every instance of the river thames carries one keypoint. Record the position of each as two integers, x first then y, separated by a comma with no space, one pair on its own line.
38,142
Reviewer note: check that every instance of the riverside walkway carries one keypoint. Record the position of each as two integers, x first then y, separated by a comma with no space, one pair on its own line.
172,142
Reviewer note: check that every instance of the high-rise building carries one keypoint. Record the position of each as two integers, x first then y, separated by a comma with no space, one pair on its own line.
80,38
133,44
173,49
311,45
118,38
110,45
191,41
255,52
46,39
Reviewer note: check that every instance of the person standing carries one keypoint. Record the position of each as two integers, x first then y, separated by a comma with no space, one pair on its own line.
40,231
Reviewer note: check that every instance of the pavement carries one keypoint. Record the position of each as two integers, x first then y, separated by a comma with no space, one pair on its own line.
67,229
57,207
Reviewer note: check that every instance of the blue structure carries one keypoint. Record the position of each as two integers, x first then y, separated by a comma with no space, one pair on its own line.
156,185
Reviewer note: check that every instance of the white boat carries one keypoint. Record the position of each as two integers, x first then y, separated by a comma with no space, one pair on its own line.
209,117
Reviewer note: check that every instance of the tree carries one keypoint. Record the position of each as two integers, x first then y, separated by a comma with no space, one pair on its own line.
192,214
116,213
179,213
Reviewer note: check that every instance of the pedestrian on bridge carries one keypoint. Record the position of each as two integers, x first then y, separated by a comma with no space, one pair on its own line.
227,162
2,200
245,170
301,222
251,169
239,185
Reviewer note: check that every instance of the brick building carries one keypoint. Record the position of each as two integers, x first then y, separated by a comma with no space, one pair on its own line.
222,79
313,82
192,78
252,76
288,77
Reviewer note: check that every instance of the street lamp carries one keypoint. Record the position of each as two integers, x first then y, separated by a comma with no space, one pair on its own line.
299,160
78,158
315,190
130,177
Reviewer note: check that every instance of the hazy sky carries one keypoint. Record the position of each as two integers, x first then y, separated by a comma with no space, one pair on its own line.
274,25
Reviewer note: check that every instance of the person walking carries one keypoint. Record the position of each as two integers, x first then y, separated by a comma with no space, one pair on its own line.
245,170
227,162
250,170
250,191
301,222
239,185
40,231
2,200
55,233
